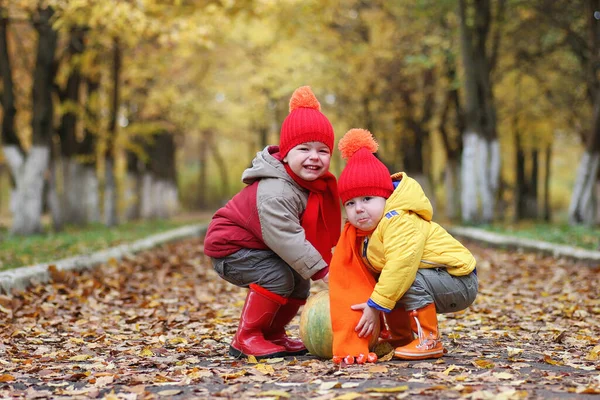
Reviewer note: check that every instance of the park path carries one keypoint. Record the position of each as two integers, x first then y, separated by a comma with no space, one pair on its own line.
157,325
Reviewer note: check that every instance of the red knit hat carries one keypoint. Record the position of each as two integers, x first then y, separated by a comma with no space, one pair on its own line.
364,174
305,123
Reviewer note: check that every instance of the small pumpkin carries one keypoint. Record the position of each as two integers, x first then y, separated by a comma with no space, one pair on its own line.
315,326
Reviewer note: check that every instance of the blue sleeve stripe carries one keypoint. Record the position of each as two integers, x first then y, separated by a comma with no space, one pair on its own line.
391,214
376,306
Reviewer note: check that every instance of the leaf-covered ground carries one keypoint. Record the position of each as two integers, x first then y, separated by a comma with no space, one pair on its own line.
158,326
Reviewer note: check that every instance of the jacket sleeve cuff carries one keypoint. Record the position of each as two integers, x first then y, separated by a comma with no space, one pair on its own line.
376,306
320,274
382,301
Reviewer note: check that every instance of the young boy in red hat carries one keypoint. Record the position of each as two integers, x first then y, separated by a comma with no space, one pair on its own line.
392,258
276,234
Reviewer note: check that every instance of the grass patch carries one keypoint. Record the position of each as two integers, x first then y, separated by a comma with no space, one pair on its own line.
17,251
585,237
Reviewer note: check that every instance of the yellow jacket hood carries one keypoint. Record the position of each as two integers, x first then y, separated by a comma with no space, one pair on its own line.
409,196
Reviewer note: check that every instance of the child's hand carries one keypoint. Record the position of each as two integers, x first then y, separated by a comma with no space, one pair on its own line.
325,279
367,322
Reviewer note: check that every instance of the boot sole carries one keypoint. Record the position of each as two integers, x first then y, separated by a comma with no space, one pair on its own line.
421,356
297,353
238,354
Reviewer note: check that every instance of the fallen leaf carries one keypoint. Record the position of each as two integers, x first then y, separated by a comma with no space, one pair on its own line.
348,396
378,369
329,385
483,364
513,351
170,392
549,360
274,393
394,389
81,357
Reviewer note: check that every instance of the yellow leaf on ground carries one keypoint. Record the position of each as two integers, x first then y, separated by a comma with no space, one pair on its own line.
234,375
549,360
594,354
178,340
387,357
274,393
587,390
146,352
484,364
252,359
6,378
265,369
80,357
394,389
449,369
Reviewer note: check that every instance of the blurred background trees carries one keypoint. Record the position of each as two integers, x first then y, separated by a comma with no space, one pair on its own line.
119,110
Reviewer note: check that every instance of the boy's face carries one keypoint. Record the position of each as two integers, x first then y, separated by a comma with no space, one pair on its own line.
365,212
309,160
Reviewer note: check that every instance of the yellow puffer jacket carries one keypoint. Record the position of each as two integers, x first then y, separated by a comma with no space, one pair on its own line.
406,239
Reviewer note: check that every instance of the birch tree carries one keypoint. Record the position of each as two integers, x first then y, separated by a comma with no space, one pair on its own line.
481,151
28,167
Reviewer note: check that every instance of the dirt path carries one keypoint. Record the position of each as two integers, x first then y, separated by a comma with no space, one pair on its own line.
158,326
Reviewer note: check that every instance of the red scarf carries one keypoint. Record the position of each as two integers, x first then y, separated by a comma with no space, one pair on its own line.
322,218
350,282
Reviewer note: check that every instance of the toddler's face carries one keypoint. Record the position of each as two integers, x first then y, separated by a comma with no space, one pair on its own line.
309,160
365,212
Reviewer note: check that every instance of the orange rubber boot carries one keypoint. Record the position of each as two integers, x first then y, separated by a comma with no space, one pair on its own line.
257,315
427,344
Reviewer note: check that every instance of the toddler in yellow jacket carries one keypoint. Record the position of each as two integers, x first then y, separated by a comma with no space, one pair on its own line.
418,269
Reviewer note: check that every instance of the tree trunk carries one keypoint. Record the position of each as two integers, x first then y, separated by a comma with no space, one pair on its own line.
9,111
452,145
29,171
584,204
159,183
73,209
87,151
452,185
582,209
203,168
222,167
110,189
55,202
547,164
8,137
481,154
133,187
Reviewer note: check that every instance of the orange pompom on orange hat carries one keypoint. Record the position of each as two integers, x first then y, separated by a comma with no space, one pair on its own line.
305,122
364,174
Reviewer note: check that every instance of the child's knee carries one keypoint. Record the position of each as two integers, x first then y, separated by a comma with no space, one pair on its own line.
278,281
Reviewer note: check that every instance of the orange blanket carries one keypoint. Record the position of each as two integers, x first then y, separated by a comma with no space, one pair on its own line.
350,282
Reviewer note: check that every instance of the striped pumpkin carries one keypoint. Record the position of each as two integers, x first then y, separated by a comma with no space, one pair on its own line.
315,326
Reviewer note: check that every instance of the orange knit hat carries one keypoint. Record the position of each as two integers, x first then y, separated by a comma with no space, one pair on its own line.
305,122
364,174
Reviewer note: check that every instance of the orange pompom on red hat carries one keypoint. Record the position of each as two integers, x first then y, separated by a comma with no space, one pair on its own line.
364,174
305,122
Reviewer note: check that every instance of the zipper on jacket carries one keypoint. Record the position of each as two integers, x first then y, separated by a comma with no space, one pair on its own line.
364,255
